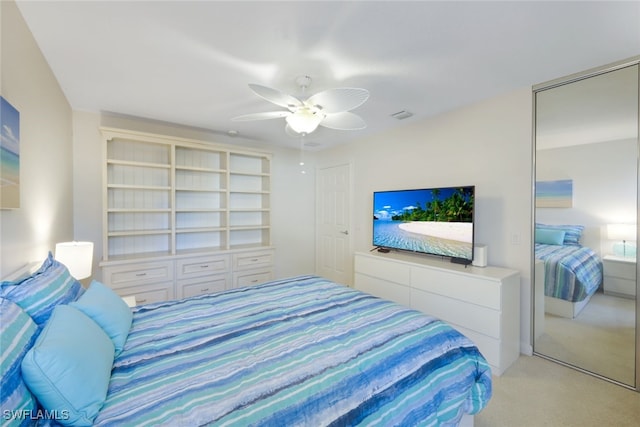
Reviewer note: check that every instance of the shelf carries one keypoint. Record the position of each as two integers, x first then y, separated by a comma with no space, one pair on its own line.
138,187
199,169
200,230
186,210
173,195
258,192
137,233
249,246
256,174
201,250
140,256
203,190
138,164
139,210
248,227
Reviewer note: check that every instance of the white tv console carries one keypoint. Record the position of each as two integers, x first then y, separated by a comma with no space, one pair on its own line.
482,303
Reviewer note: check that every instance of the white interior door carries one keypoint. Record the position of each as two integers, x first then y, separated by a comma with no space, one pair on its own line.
333,231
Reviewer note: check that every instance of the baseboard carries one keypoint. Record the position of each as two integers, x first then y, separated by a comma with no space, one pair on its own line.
526,348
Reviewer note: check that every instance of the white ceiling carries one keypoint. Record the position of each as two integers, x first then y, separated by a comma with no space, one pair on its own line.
189,63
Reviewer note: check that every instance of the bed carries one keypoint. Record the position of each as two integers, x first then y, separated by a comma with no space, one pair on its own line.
303,349
572,272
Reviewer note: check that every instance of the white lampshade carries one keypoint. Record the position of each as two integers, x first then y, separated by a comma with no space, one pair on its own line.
77,257
621,231
304,120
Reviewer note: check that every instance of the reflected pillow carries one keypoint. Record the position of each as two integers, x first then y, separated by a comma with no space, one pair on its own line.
572,233
550,237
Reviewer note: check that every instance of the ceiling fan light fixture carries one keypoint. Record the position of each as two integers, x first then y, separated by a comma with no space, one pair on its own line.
304,120
330,108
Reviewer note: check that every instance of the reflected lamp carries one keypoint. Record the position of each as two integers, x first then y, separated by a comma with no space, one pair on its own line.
624,232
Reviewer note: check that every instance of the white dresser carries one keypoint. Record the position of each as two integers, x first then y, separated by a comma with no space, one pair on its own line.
482,303
619,276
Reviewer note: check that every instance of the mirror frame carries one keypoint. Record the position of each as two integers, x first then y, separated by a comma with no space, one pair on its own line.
549,85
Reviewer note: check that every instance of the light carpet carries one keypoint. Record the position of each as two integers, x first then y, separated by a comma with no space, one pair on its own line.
600,339
536,392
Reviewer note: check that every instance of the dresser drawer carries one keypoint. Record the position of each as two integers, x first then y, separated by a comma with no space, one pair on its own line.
387,270
147,294
118,276
620,269
250,260
202,285
250,278
383,288
201,266
619,287
477,318
474,290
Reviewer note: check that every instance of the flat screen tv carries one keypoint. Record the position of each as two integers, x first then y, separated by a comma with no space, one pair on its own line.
435,221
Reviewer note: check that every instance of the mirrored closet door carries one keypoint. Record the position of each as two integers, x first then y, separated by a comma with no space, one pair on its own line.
586,216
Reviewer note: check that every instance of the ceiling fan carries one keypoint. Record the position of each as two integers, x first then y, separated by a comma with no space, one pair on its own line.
329,108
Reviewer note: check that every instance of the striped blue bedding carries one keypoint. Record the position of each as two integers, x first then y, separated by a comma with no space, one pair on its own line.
572,273
301,351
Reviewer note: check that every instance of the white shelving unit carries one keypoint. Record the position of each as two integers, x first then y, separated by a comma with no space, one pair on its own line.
171,199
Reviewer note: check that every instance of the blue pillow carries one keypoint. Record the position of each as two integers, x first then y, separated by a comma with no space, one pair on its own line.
40,292
550,237
19,333
108,310
69,367
572,233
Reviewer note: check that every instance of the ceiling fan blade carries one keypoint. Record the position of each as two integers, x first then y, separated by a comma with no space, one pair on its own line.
261,116
339,99
343,121
277,97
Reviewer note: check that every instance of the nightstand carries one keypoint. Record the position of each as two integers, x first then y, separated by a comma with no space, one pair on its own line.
619,276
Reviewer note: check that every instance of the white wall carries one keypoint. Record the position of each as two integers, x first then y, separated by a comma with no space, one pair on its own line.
45,214
488,145
604,187
292,194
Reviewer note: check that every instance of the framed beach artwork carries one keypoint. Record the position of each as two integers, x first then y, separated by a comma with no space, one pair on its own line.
554,194
9,156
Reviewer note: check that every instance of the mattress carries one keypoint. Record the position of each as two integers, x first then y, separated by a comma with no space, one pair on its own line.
300,351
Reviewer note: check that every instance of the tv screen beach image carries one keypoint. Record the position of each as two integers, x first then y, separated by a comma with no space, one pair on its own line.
435,221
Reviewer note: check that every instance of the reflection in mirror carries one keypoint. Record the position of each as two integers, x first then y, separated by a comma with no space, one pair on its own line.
586,177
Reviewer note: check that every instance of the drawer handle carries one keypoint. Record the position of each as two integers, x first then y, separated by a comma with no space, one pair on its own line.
141,301
254,281
204,290
141,274
204,266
